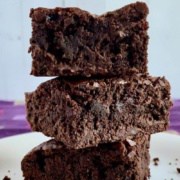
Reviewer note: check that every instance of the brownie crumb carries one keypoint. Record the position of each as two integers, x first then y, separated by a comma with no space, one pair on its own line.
156,161
6,178
178,170
176,159
170,163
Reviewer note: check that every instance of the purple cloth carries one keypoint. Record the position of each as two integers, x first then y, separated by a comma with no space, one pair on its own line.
175,116
6,103
13,118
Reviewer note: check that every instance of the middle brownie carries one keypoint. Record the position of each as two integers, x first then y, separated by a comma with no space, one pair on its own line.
83,113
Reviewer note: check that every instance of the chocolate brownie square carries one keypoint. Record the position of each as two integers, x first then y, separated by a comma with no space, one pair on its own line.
124,160
73,42
83,113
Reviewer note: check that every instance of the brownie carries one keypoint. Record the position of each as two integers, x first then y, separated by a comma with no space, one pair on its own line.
83,113
52,160
73,42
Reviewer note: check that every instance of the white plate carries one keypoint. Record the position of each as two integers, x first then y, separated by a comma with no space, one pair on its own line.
167,148
163,145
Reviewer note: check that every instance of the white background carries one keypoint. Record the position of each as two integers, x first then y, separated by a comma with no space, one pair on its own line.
15,31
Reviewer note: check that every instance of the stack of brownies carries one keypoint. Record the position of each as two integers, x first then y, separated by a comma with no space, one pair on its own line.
103,106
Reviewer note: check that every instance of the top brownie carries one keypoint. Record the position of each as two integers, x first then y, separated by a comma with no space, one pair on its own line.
73,42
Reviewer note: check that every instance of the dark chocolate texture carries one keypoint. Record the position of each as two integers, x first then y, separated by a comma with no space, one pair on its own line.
126,160
82,113
73,42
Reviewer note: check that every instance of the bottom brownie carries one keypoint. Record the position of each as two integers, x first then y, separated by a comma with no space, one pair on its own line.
52,160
